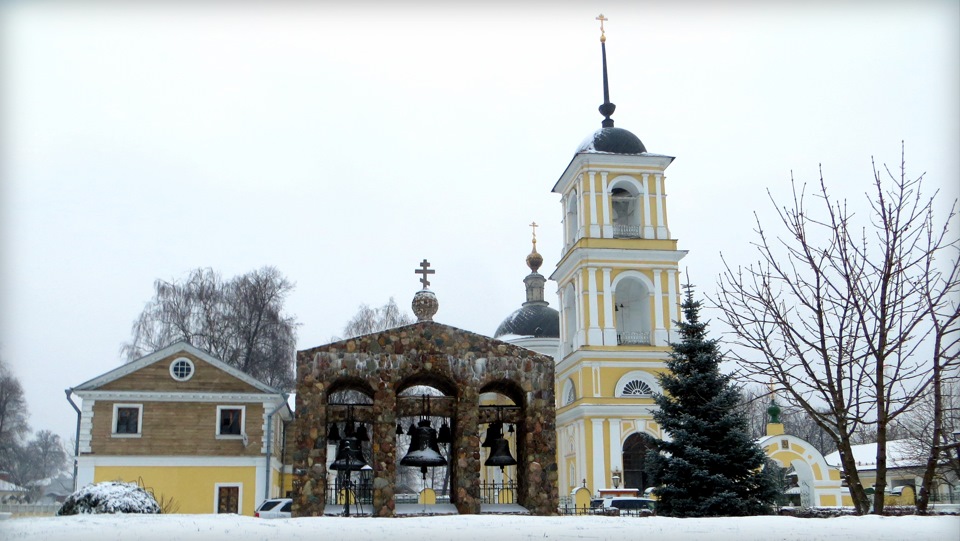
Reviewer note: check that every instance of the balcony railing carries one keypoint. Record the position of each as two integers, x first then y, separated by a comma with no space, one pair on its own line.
625,231
640,338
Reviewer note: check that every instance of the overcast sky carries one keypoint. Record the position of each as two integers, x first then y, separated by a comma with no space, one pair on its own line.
342,145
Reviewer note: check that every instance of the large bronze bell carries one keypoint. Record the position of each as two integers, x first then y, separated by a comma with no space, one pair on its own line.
423,450
494,432
349,456
500,454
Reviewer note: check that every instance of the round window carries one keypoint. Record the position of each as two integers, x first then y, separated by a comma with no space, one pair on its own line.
181,369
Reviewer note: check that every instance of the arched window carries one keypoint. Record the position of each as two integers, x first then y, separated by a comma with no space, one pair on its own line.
634,454
632,308
637,388
637,384
625,202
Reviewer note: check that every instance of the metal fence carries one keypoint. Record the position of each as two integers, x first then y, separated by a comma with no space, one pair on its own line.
30,509
492,493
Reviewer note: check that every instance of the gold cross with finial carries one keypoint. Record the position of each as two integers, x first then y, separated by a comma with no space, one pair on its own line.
601,18
534,226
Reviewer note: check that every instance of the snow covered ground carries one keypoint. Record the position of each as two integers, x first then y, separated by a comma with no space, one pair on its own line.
476,528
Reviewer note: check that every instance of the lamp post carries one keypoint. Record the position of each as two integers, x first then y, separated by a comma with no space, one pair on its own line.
615,477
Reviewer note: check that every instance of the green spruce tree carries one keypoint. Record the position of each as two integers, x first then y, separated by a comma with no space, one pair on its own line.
709,465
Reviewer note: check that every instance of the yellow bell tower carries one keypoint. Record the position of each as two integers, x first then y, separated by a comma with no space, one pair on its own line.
618,282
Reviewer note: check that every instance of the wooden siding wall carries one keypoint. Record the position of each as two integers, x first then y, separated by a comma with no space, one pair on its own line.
176,428
156,377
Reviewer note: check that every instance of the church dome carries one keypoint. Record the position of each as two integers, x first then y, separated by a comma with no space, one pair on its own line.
612,141
537,320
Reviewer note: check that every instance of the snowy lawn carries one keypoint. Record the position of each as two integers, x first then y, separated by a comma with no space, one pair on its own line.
475,528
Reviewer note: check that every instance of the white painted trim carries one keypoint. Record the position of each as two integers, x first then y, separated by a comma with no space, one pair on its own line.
607,231
609,331
662,231
193,369
635,275
137,461
161,396
599,454
616,445
86,426
660,334
113,424
179,347
673,300
594,336
603,411
594,227
216,495
614,163
243,422
581,430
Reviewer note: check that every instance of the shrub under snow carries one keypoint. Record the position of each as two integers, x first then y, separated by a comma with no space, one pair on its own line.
109,497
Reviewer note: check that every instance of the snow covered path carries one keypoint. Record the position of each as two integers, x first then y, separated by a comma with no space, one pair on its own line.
476,528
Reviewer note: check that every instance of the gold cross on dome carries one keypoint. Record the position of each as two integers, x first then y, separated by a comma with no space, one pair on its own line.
424,270
601,18
534,226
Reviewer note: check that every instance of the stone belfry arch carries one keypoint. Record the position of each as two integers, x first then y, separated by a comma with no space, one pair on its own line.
459,363
618,280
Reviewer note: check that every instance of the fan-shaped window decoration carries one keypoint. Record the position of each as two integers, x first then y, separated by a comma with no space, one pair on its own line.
637,388
570,396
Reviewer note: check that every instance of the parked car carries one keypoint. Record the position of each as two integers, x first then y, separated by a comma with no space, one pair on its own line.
630,505
274,508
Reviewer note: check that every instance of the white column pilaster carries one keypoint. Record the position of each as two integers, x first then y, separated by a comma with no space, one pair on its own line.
609,331
592,193
660,332
599,455
594,336
616,454
605,202
662,232
673,302
581,210
578,291
647,223
581,451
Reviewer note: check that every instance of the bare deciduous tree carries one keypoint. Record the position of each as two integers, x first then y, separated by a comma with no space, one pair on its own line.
839,314
370,320
13,413
240,321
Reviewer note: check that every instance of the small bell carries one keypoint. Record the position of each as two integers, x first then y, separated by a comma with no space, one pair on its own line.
399,430
444,436
334,433
349,456
362,433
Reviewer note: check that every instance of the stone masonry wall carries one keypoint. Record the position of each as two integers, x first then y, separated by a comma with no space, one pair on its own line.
460,363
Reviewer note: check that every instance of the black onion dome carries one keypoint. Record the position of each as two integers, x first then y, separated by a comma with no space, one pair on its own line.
538,320
612,141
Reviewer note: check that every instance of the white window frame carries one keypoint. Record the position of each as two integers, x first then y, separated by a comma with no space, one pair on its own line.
216,496
116,412
193,368
243,423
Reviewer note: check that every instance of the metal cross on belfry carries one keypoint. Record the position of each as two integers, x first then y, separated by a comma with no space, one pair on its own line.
534,226
601,18
424,270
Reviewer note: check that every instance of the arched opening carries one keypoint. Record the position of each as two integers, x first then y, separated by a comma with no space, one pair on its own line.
501,416
632,308
349,442
425,424
634,454
625,203
569,395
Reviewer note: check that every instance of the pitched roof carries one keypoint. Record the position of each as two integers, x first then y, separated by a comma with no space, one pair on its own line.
173,349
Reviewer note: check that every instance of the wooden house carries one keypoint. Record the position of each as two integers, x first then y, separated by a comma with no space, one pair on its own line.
203,436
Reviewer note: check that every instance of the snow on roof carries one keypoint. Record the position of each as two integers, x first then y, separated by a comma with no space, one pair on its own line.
7,486
900,454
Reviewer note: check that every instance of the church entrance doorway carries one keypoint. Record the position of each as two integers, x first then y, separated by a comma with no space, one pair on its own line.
634,451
